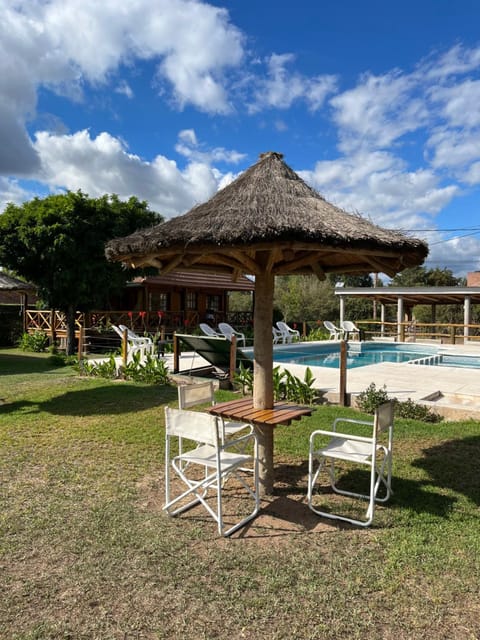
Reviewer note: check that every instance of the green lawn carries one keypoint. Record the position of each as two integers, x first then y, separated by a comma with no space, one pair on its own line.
86,552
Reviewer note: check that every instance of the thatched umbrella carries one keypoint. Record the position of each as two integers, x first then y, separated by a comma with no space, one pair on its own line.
268,222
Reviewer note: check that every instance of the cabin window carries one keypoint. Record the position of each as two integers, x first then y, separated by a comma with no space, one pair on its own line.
158,301
213,303
190,301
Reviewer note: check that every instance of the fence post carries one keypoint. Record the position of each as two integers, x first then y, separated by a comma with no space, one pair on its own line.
81,341
176,353
125,348
53,333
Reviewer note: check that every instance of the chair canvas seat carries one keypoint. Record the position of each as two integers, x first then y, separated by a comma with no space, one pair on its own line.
344,449
206,455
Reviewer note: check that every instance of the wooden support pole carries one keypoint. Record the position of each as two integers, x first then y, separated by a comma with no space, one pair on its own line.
124,348
266,478
342,400
176,353
233,358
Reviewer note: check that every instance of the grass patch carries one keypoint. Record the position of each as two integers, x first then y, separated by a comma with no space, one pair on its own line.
86,552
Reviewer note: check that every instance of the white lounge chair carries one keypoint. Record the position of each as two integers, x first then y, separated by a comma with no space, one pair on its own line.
373,451
277,335
335,332
208,331
349,328
228,331
287,332
135,343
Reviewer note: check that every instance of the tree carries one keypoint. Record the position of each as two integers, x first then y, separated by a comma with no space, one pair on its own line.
356,308
423,277
58,244
305,298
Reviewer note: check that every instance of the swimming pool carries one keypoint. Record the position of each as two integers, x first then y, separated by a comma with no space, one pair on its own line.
362,354
359,354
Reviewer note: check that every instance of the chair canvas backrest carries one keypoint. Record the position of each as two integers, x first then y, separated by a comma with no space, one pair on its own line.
194,425
383,417
190,395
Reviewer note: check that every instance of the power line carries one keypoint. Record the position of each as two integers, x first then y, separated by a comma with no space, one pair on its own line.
439,230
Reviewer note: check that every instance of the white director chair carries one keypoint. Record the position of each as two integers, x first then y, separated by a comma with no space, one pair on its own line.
204,464
373,451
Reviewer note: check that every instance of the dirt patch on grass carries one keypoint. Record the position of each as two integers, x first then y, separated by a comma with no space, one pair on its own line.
281,515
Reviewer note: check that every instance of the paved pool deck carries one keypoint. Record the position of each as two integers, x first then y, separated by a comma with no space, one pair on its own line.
455,390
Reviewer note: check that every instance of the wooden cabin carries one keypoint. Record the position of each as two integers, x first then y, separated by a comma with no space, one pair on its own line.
185,298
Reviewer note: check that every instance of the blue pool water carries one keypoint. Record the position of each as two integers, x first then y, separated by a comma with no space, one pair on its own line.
362,354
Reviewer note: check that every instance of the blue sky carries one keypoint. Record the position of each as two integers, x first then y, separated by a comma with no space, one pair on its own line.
376,104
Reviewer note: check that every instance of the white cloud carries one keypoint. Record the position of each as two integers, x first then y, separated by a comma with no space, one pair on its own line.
378,111
12,191
123,88
456,60
378,185
280,89
189,147
460,254
65,44
103,165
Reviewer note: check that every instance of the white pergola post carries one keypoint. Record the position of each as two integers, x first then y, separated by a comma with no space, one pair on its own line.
342,309
467,317
382,319
400,317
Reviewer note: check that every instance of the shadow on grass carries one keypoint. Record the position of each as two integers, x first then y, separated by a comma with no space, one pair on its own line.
417,495
20,364
115,398
453,465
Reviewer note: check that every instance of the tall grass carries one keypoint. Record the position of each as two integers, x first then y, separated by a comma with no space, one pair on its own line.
86,552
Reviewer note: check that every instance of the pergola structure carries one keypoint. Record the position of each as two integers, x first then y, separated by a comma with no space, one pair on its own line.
268,222
405,298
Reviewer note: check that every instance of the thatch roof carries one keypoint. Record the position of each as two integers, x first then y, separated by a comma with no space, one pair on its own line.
269,208
8,283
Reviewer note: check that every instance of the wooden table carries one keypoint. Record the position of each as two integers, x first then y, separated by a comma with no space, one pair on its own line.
263,421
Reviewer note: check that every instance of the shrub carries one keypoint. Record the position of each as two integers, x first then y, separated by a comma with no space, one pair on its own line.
151,371
412,410
37,341
371,398
285,385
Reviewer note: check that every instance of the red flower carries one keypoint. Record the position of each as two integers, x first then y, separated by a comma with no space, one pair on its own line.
130,314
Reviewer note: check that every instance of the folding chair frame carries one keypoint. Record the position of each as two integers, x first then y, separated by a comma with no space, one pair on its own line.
219,465
359,450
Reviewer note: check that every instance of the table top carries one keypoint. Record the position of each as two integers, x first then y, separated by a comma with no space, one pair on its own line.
243,410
